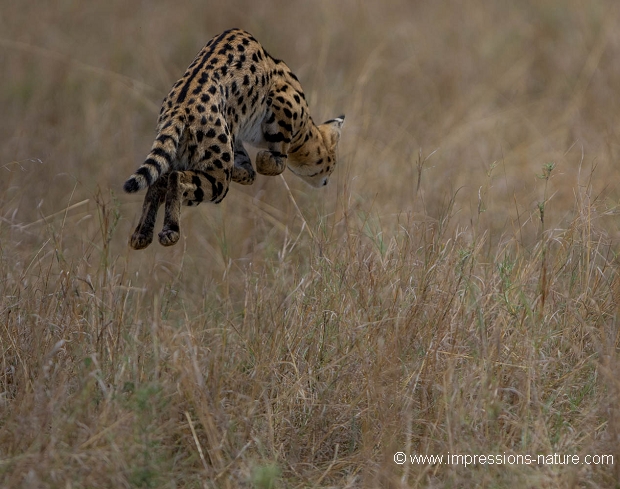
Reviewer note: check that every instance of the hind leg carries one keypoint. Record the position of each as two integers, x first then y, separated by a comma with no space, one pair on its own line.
155,195
211,163
191,188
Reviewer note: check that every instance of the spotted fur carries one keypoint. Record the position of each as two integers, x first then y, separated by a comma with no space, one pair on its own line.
233,92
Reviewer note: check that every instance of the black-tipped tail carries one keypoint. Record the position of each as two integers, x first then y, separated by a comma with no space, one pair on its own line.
158,161
131,186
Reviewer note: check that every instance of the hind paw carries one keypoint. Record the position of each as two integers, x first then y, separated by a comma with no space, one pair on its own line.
139,241
168,237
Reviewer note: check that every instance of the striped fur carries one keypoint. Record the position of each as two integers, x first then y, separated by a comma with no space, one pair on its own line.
159,160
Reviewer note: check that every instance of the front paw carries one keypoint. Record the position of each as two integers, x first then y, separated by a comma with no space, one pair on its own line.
268,163
168,237
139,241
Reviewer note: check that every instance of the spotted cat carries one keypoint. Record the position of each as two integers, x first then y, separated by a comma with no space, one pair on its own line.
233,92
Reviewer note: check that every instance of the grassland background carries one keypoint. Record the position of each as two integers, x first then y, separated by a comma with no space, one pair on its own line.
418,303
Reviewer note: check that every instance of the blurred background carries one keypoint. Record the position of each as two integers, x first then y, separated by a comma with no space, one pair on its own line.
471,97
473,215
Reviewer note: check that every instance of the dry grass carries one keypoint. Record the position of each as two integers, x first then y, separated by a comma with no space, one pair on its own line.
455,289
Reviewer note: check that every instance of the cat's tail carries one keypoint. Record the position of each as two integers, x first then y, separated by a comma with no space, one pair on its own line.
157,163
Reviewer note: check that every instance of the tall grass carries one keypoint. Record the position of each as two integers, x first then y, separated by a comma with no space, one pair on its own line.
454,290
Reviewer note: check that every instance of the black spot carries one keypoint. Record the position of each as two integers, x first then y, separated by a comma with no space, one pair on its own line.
204,98
203,120
280,99
211,133
246,80
162,138
199,136
212,181
287,113
144,171
240,48
226,157
192,150
200,108
244,109
214,109
218,164
234,88
320,161
296,97
272,118
190,118
199,195
223,138
215,148
212,90
285,125
155,164
218,122
255,58
204,58
162,153
296,148
274,138
224,70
